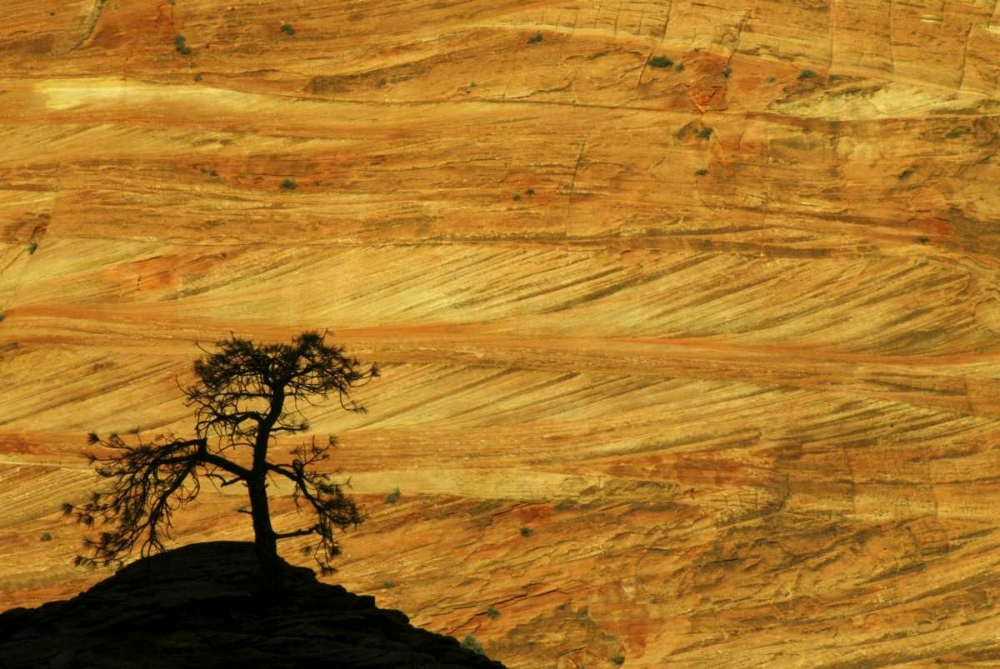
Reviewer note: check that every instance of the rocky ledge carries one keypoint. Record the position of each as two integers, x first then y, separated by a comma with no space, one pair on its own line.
194,607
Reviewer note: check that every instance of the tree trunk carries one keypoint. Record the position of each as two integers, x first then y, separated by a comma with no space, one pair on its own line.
265,544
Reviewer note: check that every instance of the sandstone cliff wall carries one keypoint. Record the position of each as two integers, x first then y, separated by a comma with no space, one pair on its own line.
723,332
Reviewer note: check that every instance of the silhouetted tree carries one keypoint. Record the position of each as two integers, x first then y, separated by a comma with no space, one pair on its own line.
245,396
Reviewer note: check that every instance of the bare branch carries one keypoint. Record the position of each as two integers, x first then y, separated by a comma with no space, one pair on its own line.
148,483
296,533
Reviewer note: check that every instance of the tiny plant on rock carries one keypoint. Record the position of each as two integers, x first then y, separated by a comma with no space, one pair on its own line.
287,29
180,43
536,38
392,497
470,643
526,531
806,74
660,61
288,184
493,612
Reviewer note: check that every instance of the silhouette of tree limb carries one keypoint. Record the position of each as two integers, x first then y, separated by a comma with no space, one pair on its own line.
245,396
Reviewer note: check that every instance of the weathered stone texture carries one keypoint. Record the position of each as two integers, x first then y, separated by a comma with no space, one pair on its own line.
724,334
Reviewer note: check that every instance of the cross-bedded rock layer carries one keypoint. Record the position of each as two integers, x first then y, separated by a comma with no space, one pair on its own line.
721,332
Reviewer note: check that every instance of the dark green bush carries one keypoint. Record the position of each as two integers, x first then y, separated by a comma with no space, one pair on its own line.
180,43
392,497
288,184
287,29
660,61
470,643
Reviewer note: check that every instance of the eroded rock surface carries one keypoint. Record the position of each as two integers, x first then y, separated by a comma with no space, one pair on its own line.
689,312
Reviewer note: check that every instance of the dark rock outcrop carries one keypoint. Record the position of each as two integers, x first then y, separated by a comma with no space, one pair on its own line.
194,607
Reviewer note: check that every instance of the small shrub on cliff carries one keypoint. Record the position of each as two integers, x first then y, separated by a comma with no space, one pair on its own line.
536,38
660,62
618,659
180,43
288,184
287,29
392,497
806,74
526,531
493,613
705,133
32,247
470,643
46,536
